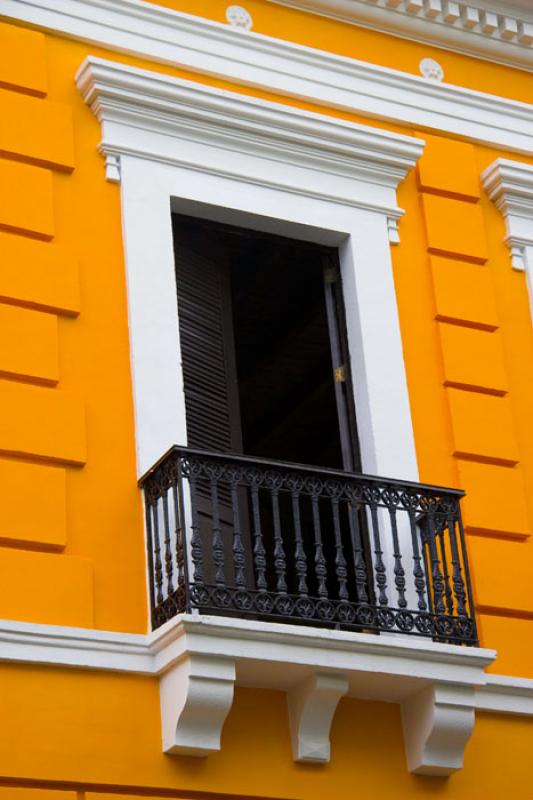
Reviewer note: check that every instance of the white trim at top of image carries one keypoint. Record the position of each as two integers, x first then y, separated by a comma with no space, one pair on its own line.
283,67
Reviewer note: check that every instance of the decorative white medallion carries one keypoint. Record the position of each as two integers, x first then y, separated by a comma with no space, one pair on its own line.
238,17
431,69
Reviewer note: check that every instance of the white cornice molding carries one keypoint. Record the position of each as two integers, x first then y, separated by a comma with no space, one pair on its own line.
147,114
506,695
509,184
286,68
494,31
199,659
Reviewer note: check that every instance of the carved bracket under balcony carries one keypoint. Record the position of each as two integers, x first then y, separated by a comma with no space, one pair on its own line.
196,695
437,724
312,705
201,658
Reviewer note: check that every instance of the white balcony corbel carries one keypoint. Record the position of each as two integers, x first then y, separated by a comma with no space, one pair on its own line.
196,695
437,724
312,704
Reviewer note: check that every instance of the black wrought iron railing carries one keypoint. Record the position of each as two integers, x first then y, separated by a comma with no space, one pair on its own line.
247,537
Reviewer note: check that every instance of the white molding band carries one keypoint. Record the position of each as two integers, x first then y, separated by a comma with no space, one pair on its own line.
288,69
504,694
490,30
509,184
199,659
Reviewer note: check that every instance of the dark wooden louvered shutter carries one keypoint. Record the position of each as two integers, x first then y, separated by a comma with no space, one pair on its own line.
206,336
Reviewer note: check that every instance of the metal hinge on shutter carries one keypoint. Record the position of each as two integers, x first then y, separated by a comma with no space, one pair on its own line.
340,374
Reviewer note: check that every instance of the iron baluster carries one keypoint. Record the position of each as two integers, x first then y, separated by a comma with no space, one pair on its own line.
379,566
280,564
418,572
391,500
214,472
151,566
436,574
295,484
361,575
457,578
472,618
234,475
259,547
448,596
157,556
178,533
196,537
334,490
169,567
321,570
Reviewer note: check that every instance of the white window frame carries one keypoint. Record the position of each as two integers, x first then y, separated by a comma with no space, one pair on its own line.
183,146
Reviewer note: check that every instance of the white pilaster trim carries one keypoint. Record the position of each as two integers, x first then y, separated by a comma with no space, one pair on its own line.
312,704
196,695
437,723
286,68
488,30
509,184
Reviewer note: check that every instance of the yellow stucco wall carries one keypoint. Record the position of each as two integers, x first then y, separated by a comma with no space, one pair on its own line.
103,732
71,528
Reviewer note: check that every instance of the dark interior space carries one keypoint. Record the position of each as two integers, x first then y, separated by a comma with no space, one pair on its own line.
274,326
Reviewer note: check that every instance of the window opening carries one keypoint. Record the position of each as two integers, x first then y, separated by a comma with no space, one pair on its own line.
264,354
266,374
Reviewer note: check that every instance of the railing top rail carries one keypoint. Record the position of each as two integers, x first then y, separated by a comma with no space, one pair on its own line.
257,461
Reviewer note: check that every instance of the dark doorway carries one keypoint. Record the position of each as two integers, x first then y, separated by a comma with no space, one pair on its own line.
264,354
265,370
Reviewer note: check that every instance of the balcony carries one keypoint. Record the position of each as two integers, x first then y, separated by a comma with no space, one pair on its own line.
315,582
266,540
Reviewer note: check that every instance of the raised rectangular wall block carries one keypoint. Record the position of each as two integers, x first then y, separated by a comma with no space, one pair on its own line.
508,589
454,227
26,202
495,501
448,167
37,130
464,293
22,59
33,510
472,358
28,344
18,793
48,588
482,427
38,275
42,422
